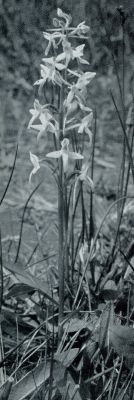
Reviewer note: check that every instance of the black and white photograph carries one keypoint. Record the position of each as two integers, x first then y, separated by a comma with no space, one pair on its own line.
66,200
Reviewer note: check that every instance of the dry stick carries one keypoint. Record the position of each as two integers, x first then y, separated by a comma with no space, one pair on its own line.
94,243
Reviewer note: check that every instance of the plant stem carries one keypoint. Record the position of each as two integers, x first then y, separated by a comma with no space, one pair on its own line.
61,224
91,216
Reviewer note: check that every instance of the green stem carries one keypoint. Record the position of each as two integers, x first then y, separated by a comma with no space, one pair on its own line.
61,225
92,223
66,216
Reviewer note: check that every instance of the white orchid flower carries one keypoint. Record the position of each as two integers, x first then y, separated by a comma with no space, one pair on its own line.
80,29
44,128
78,53
83,177
37,112
85,124
66,154
48,122
49,72
70,54
51,37
66,17
36,166
84,79
54,63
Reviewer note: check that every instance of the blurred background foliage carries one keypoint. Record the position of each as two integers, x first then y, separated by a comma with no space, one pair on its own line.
22,47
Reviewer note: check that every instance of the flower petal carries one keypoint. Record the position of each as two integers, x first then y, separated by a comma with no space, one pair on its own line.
54,154
75,156
35,161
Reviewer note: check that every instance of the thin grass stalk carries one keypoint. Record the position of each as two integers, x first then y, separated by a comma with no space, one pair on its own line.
125,387
94,243
1,275
83,228
51,365
124,195
72,237
22,222
112,52
91,211
12,351
10,177
117,380
125,135
61,224
66,216
3,369
122,167
128,303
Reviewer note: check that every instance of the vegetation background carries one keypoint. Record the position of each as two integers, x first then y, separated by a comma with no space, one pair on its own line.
21,50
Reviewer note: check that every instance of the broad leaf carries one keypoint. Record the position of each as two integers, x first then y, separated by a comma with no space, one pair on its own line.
67,357
30,382
122,339
26,278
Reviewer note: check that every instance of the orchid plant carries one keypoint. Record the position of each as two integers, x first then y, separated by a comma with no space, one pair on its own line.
66,116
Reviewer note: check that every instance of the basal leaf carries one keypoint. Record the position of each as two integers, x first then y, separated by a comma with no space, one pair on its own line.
122,339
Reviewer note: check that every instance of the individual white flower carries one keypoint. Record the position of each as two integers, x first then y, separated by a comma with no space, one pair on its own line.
44,128
83,177
66,154
48,122
36,166
54,63
37,111
51,37
86,124
68,51
78,53
80,29
84,79
70,54
66,17
50,72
